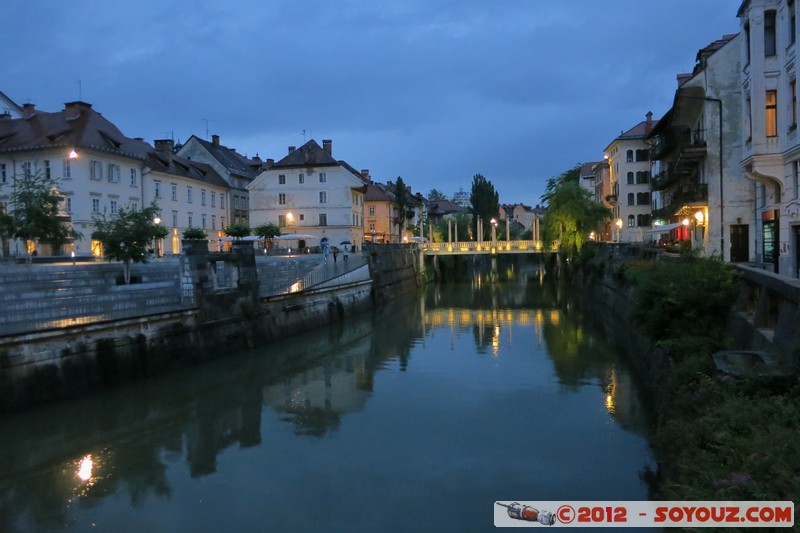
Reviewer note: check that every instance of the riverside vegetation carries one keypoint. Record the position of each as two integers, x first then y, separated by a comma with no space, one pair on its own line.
717,437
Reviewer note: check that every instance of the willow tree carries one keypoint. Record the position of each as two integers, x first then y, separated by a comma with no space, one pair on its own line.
571,214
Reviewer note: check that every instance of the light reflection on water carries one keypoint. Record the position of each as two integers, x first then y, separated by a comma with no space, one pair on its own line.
467,395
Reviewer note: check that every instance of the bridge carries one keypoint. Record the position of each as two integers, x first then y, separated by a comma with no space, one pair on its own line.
482,247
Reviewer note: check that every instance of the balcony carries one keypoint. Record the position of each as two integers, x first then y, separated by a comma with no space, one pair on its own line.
681,141
687,194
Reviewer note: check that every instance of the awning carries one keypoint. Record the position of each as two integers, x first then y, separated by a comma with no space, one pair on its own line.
665,228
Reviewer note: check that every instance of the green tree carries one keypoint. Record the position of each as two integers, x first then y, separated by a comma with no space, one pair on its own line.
192,233
485,203
127,235
571,213
6,229
400,204
237,230
435,195
267,231
34,211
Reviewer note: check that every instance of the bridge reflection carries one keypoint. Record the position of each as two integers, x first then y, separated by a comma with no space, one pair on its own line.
483,247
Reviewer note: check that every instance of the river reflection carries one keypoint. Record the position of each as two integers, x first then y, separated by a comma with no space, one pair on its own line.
468,394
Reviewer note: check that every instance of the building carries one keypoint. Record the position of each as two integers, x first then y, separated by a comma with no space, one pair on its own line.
236,169
462,198
602,195
771,150
588,180
310,192
529,218
99,170
629,167
699,192
382,216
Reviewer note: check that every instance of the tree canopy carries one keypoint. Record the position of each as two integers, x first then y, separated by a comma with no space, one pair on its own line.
400,204
267,231
485,201
571,214
127,235
435,195
237,230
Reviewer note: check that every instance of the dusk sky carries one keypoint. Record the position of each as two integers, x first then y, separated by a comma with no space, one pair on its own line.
434,91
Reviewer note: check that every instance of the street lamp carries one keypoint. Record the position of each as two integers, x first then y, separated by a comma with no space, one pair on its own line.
494,231
157,241
618,224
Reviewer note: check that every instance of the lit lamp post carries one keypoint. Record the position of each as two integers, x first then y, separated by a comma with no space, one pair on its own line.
494,232
618,224
157,241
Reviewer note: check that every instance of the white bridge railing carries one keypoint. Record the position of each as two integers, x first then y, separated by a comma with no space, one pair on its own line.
485,247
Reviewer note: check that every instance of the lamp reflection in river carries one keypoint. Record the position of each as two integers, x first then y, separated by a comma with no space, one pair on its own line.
85,469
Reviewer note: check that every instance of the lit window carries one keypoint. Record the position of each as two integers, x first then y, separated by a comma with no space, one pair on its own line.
772,113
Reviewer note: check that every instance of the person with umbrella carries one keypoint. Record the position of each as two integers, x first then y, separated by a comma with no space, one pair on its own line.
344,254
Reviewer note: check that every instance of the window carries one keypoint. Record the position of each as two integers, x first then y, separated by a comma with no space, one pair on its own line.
282,179
202,197
323,197
222,201
642,177
47,169
769,33
643,198
631,221
747,40
134,205
630,178
281,199
302,178
302,216
213,199
203,220
629,156
641,155
630,198
323,177
69,204
66,171
96,170
795,177
189,219
793,89
95,205
174,187
113,204
189,194
372,210
281,221
157,185
134,179
174,219
643,220
213,222
749,118
113,173
772,113
3,173
792,22
323,219
372,227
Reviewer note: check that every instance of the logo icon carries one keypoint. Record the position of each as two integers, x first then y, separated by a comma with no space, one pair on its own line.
529,514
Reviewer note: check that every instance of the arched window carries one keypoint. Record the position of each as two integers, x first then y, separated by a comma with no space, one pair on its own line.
631,221
629,155
630,198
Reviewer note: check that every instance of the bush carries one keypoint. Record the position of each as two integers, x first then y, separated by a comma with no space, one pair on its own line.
194,233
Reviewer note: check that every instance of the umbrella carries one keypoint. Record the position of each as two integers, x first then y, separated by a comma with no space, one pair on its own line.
294,236
345,242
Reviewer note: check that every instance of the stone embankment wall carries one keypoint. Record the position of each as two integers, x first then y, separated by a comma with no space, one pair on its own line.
216,309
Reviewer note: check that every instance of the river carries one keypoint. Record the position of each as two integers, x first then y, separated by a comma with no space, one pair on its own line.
415,417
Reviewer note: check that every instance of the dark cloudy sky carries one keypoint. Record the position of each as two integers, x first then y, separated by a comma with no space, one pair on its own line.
434,91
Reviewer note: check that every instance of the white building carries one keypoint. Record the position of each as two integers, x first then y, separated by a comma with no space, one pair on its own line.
699,192
629,167
310,192
771,151
99,170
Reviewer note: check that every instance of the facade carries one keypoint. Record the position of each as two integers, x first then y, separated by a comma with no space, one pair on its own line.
629,168
97,169
699,192
310,192
588,180
602,195
461,198
381,215
771,151
237,170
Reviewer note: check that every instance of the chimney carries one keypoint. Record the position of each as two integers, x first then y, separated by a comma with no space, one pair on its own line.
215,140
28,108
270,162
683,78
327,145
292,149
164,149
365,174
256,158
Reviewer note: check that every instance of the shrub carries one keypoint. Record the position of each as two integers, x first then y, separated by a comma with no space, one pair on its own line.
194,233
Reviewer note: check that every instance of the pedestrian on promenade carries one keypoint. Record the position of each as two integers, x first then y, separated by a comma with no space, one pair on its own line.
344,254
325,252
335,254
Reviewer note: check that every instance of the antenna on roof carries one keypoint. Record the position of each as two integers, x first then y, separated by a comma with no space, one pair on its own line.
206,121
80,90
171,134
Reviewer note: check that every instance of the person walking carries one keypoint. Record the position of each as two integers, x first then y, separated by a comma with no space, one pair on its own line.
335,254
